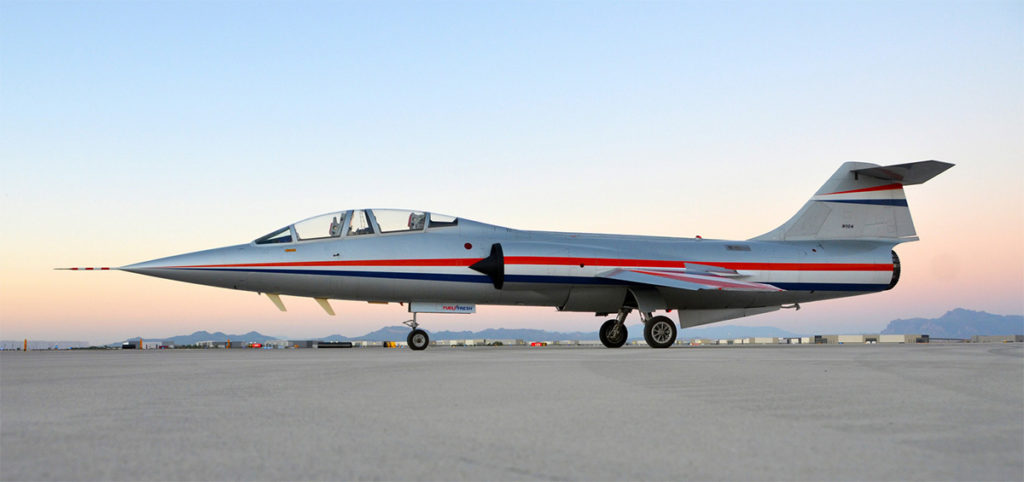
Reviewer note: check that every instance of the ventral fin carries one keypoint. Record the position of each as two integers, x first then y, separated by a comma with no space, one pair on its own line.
276,298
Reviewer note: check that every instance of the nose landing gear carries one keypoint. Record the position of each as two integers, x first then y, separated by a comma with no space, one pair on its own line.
417,339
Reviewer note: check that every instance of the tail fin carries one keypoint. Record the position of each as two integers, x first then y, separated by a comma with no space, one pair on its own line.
860,201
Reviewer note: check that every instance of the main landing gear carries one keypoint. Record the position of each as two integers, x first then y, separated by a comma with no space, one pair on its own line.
659,331
417,339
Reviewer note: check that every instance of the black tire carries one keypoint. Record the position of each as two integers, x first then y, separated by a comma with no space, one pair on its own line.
660,332
609,341
418,339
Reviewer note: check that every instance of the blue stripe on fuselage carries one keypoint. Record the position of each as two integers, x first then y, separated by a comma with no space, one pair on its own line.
830,286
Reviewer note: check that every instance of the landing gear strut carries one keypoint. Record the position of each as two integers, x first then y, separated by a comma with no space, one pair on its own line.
613,333
417,339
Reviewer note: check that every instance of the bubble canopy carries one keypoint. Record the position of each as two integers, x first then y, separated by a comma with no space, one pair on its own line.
358,222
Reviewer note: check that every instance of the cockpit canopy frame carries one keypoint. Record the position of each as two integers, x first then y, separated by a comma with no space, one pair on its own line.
358,222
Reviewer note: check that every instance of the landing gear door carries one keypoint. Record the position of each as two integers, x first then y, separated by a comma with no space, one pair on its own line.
597,299
648,300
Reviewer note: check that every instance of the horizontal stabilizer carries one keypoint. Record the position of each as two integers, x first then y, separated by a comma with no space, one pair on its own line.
906,174
682,279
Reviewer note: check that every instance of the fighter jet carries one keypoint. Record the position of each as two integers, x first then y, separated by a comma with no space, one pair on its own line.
839,244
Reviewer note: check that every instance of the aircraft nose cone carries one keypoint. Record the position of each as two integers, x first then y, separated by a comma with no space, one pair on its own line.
199,259
143,266
198,267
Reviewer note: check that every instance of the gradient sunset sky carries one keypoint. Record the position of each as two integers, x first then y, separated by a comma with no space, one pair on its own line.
136,130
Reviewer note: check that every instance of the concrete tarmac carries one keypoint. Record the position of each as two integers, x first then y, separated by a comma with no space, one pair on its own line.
864,412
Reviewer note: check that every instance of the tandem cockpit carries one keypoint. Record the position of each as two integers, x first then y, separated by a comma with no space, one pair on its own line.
359,222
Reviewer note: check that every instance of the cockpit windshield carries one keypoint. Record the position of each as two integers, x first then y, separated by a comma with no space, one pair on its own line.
283,235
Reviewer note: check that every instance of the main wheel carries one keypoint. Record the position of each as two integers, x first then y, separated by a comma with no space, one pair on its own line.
660,332
612,338
418,339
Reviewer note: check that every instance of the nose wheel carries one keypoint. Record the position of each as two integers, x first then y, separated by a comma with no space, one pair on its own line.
417,339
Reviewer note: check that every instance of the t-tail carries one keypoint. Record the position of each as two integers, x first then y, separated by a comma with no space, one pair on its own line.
861,201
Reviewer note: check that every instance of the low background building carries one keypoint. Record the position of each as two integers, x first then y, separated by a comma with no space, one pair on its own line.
998,339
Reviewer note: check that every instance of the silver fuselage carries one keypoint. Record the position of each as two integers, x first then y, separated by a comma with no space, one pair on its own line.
561,270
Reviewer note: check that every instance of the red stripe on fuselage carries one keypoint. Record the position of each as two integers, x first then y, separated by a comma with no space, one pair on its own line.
362,262
566,261
657,263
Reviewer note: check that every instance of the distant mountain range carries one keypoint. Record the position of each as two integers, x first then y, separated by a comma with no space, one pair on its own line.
182,340
960,323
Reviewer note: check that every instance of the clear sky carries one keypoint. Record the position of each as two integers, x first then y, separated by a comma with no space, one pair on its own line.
133,130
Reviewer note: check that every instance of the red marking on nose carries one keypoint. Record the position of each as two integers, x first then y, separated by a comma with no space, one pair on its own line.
468,245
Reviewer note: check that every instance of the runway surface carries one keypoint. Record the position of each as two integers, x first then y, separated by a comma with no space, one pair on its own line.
865,412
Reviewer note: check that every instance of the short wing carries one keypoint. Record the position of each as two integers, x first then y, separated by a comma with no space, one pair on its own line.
701,280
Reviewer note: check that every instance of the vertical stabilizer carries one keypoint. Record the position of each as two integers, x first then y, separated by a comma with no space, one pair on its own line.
860,201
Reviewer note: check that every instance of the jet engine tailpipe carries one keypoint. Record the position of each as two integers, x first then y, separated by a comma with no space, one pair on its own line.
895,271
